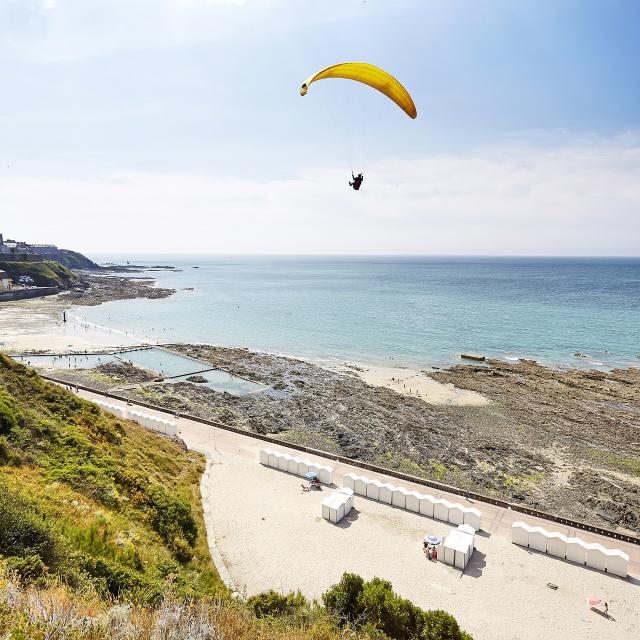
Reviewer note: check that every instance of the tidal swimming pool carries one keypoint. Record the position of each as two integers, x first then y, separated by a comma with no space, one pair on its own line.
174,367
222,381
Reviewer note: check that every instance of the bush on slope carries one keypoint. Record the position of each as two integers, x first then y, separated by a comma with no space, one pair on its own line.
99,501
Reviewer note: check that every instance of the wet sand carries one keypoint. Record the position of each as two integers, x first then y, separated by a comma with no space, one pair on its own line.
411,382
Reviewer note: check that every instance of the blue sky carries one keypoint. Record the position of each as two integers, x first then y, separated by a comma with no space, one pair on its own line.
127,118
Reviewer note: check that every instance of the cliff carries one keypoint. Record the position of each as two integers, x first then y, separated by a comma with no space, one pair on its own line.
75,260
44,274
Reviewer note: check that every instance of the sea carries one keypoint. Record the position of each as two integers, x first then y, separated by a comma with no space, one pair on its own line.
410,311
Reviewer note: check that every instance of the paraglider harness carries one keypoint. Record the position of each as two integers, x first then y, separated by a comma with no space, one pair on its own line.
357,181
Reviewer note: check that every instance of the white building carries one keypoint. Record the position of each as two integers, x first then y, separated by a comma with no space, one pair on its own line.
5,281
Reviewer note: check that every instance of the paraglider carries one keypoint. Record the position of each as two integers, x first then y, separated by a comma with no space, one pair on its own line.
357,181
372,76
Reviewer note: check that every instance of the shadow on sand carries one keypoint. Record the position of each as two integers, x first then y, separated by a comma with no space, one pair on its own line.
602,614
345,523
476,564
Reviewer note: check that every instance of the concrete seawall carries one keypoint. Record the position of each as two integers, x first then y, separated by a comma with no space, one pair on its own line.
23,294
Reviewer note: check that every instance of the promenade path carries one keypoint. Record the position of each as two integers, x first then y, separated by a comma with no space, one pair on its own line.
269,534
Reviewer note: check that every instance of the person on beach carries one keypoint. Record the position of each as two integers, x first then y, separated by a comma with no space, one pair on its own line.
357,181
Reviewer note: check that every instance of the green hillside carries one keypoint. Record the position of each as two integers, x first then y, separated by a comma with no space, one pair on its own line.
44,274
95,501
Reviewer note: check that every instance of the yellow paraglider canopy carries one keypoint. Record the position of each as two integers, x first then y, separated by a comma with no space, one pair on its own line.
370,75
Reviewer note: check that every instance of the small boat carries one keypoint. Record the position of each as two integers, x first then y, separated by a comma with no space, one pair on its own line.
472,356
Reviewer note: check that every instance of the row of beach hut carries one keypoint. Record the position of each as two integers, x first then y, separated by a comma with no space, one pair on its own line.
295,465
591,554
427,505
150,422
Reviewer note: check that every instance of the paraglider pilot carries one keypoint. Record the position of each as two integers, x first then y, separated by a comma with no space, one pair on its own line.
357,181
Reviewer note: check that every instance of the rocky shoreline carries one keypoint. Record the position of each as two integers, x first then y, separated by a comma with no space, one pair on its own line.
97,288
560,441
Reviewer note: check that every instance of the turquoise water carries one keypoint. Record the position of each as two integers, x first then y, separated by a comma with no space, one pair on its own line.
393,310
66,362
168,364
178,368
223,381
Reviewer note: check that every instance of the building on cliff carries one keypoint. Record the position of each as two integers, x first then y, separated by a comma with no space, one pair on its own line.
23,251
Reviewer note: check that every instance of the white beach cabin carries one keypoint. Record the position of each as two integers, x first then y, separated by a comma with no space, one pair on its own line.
576,550
456,514
373,489
441,509
360,485
399,497
596,556
538,539
520,533
458,548
292,466
348,505
349,480
413,501
337,505
385,492
557,544
325,475
617,562
314,467
426,506
283,461
473,517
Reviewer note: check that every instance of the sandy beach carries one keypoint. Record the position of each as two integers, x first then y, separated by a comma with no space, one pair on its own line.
270,535
412,382
38,325
283,543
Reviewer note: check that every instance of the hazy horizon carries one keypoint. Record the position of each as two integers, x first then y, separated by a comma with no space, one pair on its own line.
152,254
177,126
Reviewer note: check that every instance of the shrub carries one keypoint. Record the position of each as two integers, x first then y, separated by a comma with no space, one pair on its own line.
8,418
5,451
375,609
270,604
22,531
28,570
170,516
342,599
111,576
181,549
440,625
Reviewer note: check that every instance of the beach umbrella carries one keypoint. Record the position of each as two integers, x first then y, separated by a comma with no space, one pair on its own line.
595,602
432,539
312,475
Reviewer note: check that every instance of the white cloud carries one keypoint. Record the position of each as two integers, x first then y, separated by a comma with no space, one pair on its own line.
31,30
580,200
